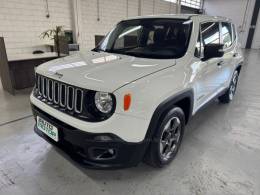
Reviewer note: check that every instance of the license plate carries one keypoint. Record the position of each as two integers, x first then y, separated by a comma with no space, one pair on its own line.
47,128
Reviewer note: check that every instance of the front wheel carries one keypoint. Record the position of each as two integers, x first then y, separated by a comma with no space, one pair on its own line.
229,95
167,139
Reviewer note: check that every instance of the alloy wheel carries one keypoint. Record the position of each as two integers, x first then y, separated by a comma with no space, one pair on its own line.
233,86
170,138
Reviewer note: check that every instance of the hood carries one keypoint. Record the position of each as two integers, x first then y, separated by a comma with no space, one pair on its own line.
101,71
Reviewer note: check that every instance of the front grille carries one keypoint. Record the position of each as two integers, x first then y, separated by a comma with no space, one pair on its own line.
59,95
72,100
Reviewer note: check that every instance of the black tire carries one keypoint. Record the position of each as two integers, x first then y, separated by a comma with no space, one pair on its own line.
154,155
229,94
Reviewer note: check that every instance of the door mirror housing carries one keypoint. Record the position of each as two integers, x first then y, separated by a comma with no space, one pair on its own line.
213,51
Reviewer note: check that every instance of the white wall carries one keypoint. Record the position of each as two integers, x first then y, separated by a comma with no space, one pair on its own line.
235,10
113,11
22,21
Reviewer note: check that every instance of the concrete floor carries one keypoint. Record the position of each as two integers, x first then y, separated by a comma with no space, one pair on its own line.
220,153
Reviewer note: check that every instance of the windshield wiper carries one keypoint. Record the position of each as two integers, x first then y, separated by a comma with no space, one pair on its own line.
96,49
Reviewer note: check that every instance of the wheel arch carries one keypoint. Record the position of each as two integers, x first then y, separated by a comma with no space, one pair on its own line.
239,67
184,100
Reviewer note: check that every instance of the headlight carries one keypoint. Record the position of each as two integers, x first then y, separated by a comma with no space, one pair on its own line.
104,102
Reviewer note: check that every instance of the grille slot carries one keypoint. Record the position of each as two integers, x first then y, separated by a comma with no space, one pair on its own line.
36,82
56,93
70,98
44,87
39,85
78,100
61,95
50,90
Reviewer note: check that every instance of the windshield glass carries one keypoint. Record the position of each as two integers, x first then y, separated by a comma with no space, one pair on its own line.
149,38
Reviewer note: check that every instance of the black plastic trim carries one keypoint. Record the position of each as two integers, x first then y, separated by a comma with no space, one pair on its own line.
79,144
165,107
240,65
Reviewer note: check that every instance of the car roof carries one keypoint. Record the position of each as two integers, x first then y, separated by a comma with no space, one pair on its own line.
182,16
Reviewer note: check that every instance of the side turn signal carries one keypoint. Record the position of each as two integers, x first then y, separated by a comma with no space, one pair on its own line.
127,102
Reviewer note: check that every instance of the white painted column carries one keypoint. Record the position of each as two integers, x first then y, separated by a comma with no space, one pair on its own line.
139,7
77,21
178,6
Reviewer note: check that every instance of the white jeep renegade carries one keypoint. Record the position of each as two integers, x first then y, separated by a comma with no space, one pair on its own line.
129,98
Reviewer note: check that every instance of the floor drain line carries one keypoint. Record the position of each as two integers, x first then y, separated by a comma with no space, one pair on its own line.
15,120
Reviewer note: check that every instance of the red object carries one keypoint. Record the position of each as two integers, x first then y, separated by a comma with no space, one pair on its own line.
127,101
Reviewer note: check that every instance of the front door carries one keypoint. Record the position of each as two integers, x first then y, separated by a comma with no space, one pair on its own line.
210,77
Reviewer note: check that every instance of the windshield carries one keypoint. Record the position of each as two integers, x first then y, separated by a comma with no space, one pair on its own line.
148,38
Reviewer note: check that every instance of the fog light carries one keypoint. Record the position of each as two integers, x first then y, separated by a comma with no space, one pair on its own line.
111,151
102,153
103,138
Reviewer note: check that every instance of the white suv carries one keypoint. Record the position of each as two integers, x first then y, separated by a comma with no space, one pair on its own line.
129,98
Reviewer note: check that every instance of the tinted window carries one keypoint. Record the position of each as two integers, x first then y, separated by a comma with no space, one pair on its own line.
226,31
210,33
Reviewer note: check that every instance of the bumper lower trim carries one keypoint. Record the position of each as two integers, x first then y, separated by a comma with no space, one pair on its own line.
79,145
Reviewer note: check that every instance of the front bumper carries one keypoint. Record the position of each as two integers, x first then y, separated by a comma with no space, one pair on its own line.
91,151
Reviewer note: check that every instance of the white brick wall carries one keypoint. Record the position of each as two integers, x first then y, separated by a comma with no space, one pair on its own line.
111,12
22,21
132,7
147,7
157,7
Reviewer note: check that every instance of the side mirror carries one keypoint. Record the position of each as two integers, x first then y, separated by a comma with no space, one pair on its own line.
213,51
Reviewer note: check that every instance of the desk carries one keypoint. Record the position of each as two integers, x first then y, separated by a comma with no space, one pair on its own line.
21,57
22,68
17,71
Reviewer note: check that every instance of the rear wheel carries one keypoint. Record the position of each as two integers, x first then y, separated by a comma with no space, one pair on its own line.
166,141
229,95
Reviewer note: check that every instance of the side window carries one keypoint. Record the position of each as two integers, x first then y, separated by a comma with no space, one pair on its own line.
226,31
210,33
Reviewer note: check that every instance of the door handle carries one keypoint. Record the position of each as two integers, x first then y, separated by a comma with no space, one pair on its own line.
220,63
235,55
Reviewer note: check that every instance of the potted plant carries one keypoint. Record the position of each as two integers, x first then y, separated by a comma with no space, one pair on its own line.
54,34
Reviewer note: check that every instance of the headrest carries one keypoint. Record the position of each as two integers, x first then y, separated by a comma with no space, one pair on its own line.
181,36
159,35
